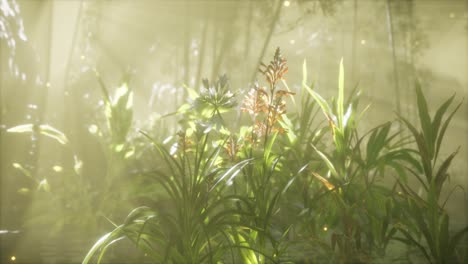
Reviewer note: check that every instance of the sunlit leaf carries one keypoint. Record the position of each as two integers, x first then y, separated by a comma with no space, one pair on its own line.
248,255
119,147
304,73
102,241
103,87
129,153
184,108
191,93
348,115
120,93
340,102
23,191
288,126
327,161
321,102
129,101
174,148
78,164
232,172
290,94
93,129
53,133
325,182
25,172
44,185
21,128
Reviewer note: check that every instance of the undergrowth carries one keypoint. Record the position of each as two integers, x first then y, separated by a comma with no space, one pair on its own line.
277,186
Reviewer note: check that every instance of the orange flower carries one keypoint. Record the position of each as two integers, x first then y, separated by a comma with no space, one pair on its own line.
259,101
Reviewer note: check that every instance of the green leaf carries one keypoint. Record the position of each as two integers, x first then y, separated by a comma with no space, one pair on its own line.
191,92
456,239
99,244
286,123
327,162
232,172
432,218
104,89
340,101
321,102
21,129
388,216
348,117
23,170
269,146
427,230
412,241
444,236
53,133
442,174
23,191
247,253
78,165
376,143
425,120
46,130
118,147
340,142
423,151
289,90
121,95
129,153
444,128
304,73
438,119
44,185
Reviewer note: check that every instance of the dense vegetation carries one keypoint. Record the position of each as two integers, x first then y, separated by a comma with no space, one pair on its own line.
280,176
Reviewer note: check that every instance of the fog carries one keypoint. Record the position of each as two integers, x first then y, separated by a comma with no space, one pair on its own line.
60,188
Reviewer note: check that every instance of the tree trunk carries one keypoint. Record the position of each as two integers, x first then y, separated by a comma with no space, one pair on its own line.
392,47
353,52
268,38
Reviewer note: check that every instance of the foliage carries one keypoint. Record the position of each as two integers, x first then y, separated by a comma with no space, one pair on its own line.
426,214
66,197
275,186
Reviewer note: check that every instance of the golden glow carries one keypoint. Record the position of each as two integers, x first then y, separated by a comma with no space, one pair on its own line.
325,228
13,258
286,3
93,129
363,41
57,168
